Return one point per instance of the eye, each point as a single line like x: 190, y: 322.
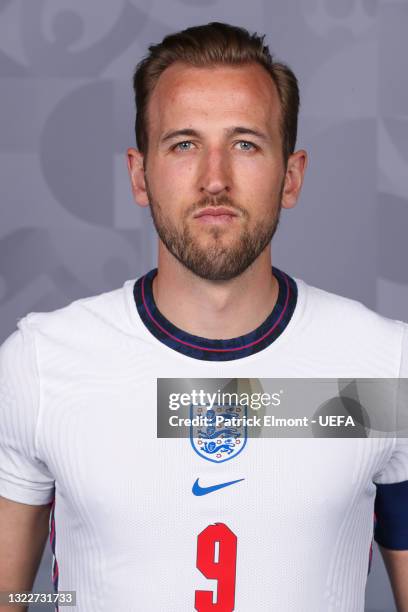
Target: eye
x: 182, y: 146
x: 247, y: 146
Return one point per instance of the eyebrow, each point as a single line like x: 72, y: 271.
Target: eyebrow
x: 233, y: 131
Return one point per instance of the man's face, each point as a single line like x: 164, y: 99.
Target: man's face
x: 214, y: 141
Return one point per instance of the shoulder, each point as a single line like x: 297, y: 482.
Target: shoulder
x: 350, y: 327
x: 88, y: 322
x: 87, y: 316
x: 350, y: 315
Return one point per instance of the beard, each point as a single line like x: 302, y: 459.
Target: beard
x: 217, y: 261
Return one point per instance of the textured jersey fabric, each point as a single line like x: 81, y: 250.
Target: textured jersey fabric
x: 78, y: 430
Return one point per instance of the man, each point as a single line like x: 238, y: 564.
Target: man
x: 145, y: 523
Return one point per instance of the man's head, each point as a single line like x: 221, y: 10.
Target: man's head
x: 215, y: 44
x: 216, y: 126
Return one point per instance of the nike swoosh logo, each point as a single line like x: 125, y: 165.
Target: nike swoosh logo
x: 199, y: 490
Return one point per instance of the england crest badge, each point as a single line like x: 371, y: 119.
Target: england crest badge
x: 218, y: 433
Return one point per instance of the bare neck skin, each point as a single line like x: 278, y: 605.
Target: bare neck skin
x: 215, y: 310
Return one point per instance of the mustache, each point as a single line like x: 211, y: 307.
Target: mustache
x: 216, y: 202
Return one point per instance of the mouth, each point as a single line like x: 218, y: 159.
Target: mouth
x: 215, y: 215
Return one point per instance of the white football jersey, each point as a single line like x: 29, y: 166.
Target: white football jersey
x: 141, y: 523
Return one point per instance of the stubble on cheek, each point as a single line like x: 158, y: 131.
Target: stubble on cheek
x: 213, y: 252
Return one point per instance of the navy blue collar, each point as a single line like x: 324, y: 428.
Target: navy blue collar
x: 212, y: 349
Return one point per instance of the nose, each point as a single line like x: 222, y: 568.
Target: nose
x: 215, y: 175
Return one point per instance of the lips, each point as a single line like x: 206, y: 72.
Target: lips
x: 215, y: 212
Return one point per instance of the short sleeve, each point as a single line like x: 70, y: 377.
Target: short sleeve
x: 24, y: 477
x: 391, y: 501
x: 396, y: 468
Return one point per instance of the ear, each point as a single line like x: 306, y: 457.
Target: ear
x: 137, y: 179
x: 295, y: 172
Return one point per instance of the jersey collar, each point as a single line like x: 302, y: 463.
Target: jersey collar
x: 214, y: 349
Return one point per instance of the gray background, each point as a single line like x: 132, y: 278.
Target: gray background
x: 68, y: 225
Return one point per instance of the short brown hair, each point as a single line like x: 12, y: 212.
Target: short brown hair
x: 209, y: 45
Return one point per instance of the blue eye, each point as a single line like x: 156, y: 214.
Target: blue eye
x: 246, y: 143
x: 183, y: 148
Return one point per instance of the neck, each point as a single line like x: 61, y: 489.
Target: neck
x: 215, y: 309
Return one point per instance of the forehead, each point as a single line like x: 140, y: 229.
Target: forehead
x: 188, y: 94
